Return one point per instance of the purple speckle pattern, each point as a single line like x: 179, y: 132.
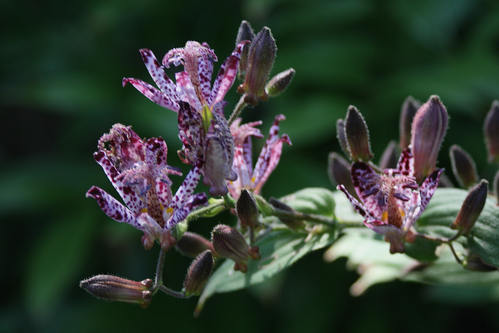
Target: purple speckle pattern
x: 249, y: 178
x: 392, y: 201
x: 111, y: 207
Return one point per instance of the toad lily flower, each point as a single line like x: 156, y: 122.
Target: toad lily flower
x: 203, y: 128
x: 139, y: 172
x: 392, y: 201
x: 249, y: 178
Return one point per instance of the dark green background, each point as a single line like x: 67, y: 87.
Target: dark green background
x: 61, y: 64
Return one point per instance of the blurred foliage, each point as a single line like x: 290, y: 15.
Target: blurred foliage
x: 61, y: 66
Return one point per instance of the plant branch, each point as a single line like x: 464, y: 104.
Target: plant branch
x: 160, y: 265
x: 237, y: 109
x: 171, y: 292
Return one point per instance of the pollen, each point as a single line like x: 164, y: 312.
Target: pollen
x: 402, y: 213
x: 253, y: 179
x: 384, y: 216
x: 169, y: 210
x: 143, y: 210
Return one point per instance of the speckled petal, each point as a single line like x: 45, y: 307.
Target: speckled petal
x: 359, y: 208
x: 226, y: 75
x: 205, y: 72
x: 270, y: 154
x: 405, y: 164
x: 367, y: 184
x: 131, y: 199
x: 112, y: 207
x: 191, y: 134
x: 428, y: 187
x: 153, y: 94
x: 186, y: 91
x: 187, y: 188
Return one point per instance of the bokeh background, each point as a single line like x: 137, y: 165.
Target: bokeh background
x: 61, y: 64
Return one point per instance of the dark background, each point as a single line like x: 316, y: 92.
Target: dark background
x: 61, y: 64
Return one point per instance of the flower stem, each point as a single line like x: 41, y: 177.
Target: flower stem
x: 170, y: 292
x: 455, y: 254
x: 237, y: 109
x: 160, y: 265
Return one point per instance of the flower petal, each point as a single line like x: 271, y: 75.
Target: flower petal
x: 270, y: 154
x: 152, y: 93
x: 405, y: 164
x: 112, y: 207
x: 367, y: 184
x: 226, y: 75
x: 190, y: 132
x: 186, y: 91
x: 131, y: 199
x: 187, y: 188
x: 158, y: 74
x: 428, y: 187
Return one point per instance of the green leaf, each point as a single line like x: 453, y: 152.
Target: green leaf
x: 443, y: 209
x: 344, y: 211
x: 313, y: 200
x: 279, y: 250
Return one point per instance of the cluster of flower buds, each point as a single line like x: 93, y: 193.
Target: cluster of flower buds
x: 392, y: 196
x: 257, y: 60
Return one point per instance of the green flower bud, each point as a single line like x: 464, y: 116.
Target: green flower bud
x: 357, y: 135
x: 192, y: 244
x: 279, y: 82
x: 491, y: 131
x: 198, y: 273
x: 341, y: 136
x: 389, y: 159
x: 407, y: 113
x: 247, y: 210
x: 428, y: 131
x: 229, y: 243
x: 245, y: 32
x: 463, y: 167
x: 261, y: 57
x: 471, y: 208
x: 114, y: 288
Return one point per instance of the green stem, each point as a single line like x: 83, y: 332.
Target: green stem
x: 314, y: 218
x: 237, y: 109
x: 170, y: 292
x: 160, y: 265
x: 203, y: 210
x: 455, y: 254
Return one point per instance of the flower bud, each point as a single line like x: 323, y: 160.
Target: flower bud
x: 192, y: 244
x: 357, y: 135
x: 341, y: 136
x: 407, y: 113
x: 246, y: 208
x: 471, y: 208
x: 463, y: 167
x: 290, y: 222
x: 389, y: 159
x: 428, y: 130
x: 198, y: 273
x: 339, y: 172
x: 279, y: 82
x: 229, y: 243
x: 245, y: 32
x: 491, y: 131
x: 496, y: 187
x: 260, y: 61
x: 114, y: 288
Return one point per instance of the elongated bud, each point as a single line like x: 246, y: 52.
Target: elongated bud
x: 491, y: 131
x: 229, y: 243
x: 198, y: 273
x: 339, y: 172
x: 357, y: 135
x: 428, y: 131
x: 192, y: 244
x: 260, y: 61
x: 247, y: 210
x: 389, y: 159
x: 342, y: 137
x: 245, y: 32
x: 463, y: 167
x: 116, y: 289
x: 471, y: 208
x: 496, y: 187
x: 290, y: 222
x: 279, y: 82
x: 407, y: 113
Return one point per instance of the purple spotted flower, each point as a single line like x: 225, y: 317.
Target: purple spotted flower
x: 249, y: 178
x: 203, y: 129
x: 139, y: 172
x: 391, y: 201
